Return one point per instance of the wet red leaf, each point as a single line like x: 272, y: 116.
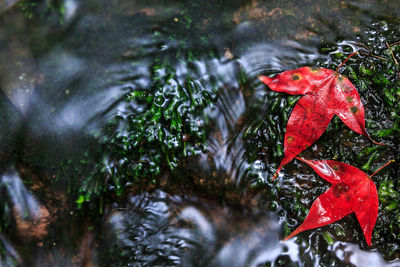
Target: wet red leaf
x: 351, y: 191
x: 326, y: 93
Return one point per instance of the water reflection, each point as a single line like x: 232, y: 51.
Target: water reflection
x: 19, y: 75
x: 6, y: 4
x: 351, y: 253
x: 157, y: 227
x: 71, y: 6
x: 20, y: 207
x: 271, y: 58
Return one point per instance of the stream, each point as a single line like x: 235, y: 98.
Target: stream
x: 136, y: 133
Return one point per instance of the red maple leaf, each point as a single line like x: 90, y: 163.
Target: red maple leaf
x: 327, y: 93
x: 351, y: 191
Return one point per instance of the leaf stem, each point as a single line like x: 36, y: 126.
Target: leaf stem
x: 390, y: 161
x: 352, y: 54
x: 275, y: 175
x: 361, y: 45
x: 395, y: 43
x: 373, y: 55
x: 391, y: 52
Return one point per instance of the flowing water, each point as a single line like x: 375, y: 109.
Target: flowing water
x: 136, y: 133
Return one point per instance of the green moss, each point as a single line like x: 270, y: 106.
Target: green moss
x: 43, y: 8
x: 169, y: 121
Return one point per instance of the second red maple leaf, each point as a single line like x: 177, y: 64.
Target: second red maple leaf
x: 351, y: 191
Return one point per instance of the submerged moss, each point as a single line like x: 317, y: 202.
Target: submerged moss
x: 162, y: 123
x: 42, y: 8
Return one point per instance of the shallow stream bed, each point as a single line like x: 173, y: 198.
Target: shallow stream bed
x: 136, y: 133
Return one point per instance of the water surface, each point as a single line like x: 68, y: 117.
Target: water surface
x: 136, y: 133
